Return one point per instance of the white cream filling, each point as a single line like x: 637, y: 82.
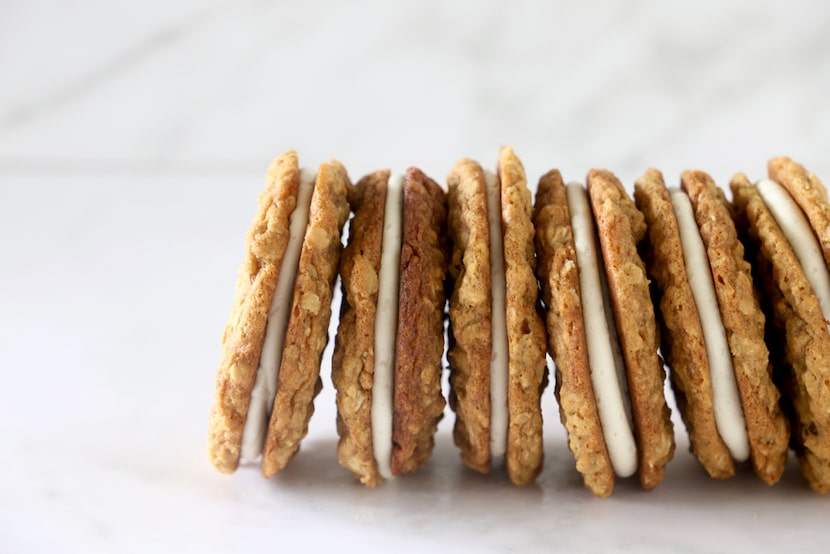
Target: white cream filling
x: 386, y: 323
x: 799, y: 234
x: 498, y: 330
x: 729, y: 416
x: 265, y: 386
x: 607, y: 365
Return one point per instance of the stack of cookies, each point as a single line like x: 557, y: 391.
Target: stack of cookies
x: 731, y: 300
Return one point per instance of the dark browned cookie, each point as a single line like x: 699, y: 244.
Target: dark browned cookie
x: 620, y: 227
x: 354, y: 350
x: 307, y: 332
x: 559, y: 275
x: 683, y: 343
x: 418, y: 401
x: 245, y: 330
x: 525, y: 330
x: 794, y: 307
x: 470, y: 308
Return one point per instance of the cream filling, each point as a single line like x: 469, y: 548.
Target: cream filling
x: 498, y: 321
x: 386, y: 324
x: 801, y: 237
x: 265, y: 386
x: 729, y: 416
x: 607, y: 366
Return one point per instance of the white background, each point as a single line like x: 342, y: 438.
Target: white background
x: 134, y: 138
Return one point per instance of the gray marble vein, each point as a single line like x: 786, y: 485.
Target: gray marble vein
x: 108, y: 70
x: 712, y: 85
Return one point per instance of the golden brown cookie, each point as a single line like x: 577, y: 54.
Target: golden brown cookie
x: 418, y: 401
x: 559, y: 276
x: 794, y: 309
x: 353, y: 360
x: 245, y: 330
x: 620, y: 227
x: 525, y: 330
x: 307, y: 332
x: 469, y: 311
x: 472, y: 325
x: 683, y: 343
x: 810, y: 195
x: 744, y: 323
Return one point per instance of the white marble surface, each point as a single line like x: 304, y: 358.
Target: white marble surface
x: 133, y: 141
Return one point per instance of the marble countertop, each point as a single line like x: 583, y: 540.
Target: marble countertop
x: 133, y: 142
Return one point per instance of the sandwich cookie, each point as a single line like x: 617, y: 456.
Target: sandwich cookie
x: 496, y: 354
x: 275, y: 336
x: 712, y: 325
x: 560, y: 279
x: 602, y: 331
x: 785, y: 223
x: 387, y: 356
